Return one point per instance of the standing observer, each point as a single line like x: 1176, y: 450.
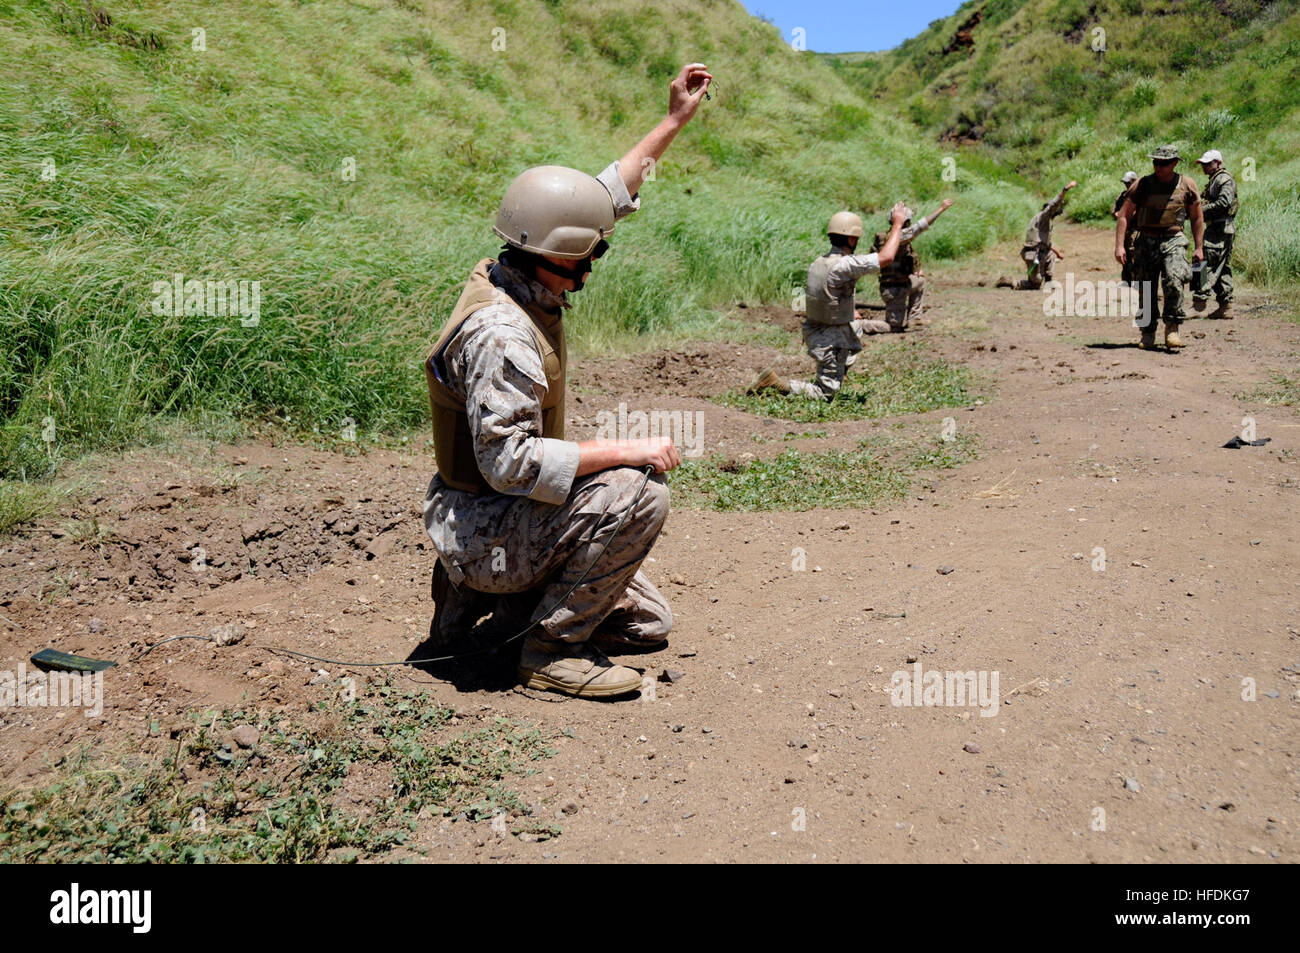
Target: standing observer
x: 1158, y: 205
x: 1219, y: 206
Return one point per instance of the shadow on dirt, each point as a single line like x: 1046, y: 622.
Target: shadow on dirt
x: 480, y: 659
x: 1121, y: 345
x: 487, y: 659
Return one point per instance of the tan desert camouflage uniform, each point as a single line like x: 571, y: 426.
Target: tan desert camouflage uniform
x: 531, y: 538
x: 901, y: 290
x: 1037, y: 250
x: 831, y: 333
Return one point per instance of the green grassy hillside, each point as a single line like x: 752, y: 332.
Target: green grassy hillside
x: 1031, y: 88
x: 131, y: 155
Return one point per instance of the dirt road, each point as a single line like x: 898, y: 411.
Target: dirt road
x: 1120, y: 731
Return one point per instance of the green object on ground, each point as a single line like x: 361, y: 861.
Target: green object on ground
x: 63, y: 662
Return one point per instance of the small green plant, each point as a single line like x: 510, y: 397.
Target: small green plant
x: 892, y: 379
x: 883, y: 468
x: 204, y: 800
x: 1074, y: 138
x: 25, y: 503
x: 1143, y: 93
x: 805, y: 435
x: 1280, y: 391
x: 90, y: 534
x: 1210, y: 126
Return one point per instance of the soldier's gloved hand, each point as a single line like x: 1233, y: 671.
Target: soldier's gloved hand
x: 659, y: 452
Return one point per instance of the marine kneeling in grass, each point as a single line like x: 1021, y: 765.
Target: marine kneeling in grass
x: 832, y: 329
x: 516, y: 513
x: 902, y: 282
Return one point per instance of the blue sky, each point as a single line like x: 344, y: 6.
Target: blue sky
x: 852, y: 25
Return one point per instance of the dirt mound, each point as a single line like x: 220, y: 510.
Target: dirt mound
x: 195, y: 536
x: 771, y: 315
x: 700, y: 371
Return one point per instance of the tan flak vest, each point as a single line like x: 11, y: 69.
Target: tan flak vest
x: 1158, y: 211
x: 900, y: 270
x: 453, y: 445
x: 822, y: 308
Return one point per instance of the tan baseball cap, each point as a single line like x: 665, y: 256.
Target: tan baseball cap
x: 1213, y: 155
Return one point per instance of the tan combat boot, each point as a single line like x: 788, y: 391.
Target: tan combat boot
x: 1148, y: 342
x: 1223, y: 312
x: 1198, y: 305
x: 1172, y: 339
x: 769, y: 380
x: 578, y: 669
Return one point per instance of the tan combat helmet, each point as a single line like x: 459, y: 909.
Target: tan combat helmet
x: 551, y: 210
x: 845, y: 223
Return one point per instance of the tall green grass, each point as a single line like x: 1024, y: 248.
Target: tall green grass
x: 228, y: 164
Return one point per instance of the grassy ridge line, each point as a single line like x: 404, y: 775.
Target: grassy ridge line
x: 1202, y: 74
x: 226, y: 164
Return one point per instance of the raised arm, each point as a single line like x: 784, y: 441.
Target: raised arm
x: 1058, y: 204
x: 943, y: 207
x: 916, y: 228
x: 685, y: 93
